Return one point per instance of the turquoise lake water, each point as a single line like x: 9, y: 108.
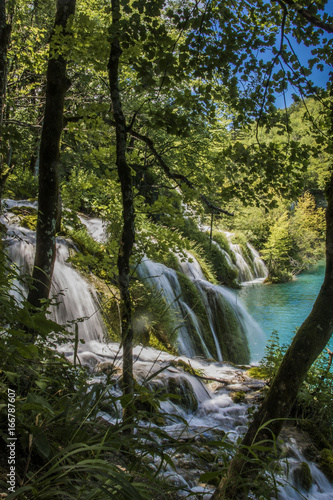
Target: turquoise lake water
x: 284, y: 306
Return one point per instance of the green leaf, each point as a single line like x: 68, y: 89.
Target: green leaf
x: 12, y: 377
x: 42, y: 444
x: 207, y: 476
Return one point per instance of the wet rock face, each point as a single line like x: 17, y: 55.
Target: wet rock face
x: 303, y: 476
x: 182, y: 393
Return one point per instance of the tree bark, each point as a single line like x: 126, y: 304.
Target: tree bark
x: 128, y: 231
x: 308, y: 343
x: 56, y: 87
x: 5, y: 32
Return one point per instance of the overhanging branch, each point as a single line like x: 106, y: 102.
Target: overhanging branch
x: 174, y: 176
x: 307, y: 15
x: 178, y: 178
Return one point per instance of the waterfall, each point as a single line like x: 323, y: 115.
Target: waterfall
x: 76, y: 300
x: 199, y: 412
x: 236, y: 336
x: 249, y: 271
x: 260, y: 270
x: 95, y: 227
x: 165, y: 280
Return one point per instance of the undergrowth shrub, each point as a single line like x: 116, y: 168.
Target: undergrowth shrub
x: 20, y: 184
x: 314, y: 404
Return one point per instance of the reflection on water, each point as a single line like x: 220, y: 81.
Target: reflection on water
x: 283, y: 307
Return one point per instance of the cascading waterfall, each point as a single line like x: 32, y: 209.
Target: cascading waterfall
x: 228, y: 315
x: 208, y: 411
x: 165, y: 280
x: 76, y: 300
x: 235, y: 334
x: 260, y: 270
x: 247, y: 273
x: 96, y: 228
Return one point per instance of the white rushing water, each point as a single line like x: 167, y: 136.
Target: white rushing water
x: 76, y: 299
x: 96, y: 227
x: 248, y: 273
x: 201, y: 411
x: 215, y: 299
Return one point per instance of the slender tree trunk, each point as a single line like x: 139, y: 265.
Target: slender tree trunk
x: 56, y: 87
x: 128, y: 231
x: 5, y: 31
x: 308, y: 343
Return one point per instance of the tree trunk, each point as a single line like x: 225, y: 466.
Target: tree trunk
x: 5, y: 31
x: 128, y: 231
x: 308, y: 343
x: 56, y: 87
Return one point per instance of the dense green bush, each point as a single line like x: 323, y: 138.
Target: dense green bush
x: 21, y: 184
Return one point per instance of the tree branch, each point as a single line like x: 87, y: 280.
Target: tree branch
x: 174, y: 176
x: 307, y: 15
x: 171, y: 175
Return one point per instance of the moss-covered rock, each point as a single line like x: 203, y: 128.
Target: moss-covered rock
x: 180, y: 363
x: 326, y: 463
x: 27, y: 216
x: 193, y: 299
x: 182, y: 393
x: 238, y: 397
x: 230, y: 334
x: 303, y: 476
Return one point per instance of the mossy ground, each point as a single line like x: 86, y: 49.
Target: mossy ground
x: 27, y: 216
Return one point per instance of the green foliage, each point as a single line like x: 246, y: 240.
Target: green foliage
x: 82, y: 191
x: 277, y: 250
x: 296, y: 240
x: 92, y: 256
x: 257, y: 372
x: 314, y: 404
x: 274, y: 353
x: 212, y: 254
x: 21, y: 184
x: 307, y: 227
